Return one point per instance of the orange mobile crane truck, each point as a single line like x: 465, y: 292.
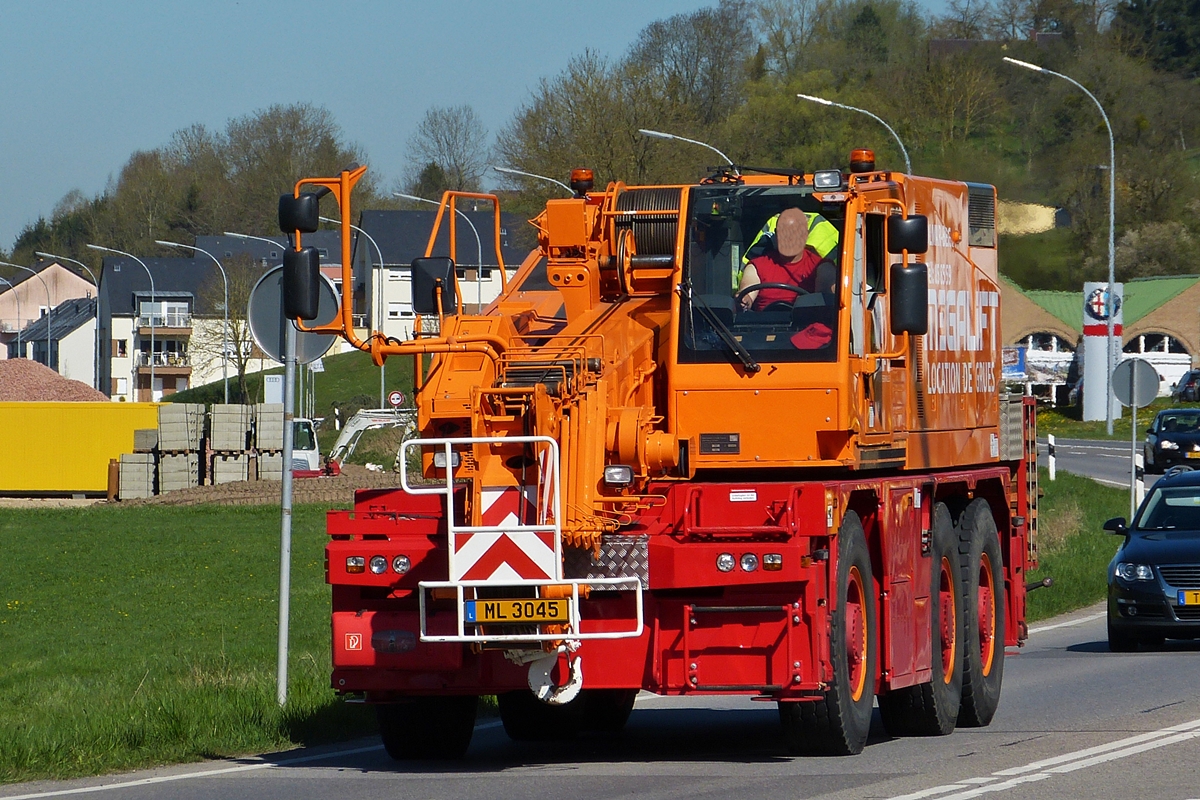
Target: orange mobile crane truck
x: 630, y: 482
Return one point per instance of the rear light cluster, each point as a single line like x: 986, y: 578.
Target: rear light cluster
x: 377, y: 564
x: 749, y: 562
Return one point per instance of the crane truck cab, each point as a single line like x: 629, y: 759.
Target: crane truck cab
x: 627, y: 475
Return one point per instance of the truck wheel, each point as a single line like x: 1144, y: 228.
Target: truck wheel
x: 931, y: 709
x: 527, y: 719
x: 838, y: 722
x: 428, y: 727
x: 607, y: 710
x: 984, y: 604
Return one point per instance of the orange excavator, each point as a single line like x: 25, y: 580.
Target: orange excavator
x: 632, y: 479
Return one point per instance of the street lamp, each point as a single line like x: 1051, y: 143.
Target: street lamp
x: 378, y: 252
x: 153, y: 302
x: 1112, y: 219
x: 49, y: 303
x: 96, y: 283
x: 896, y: 136
x: 508, y: 171
x: 478, y: 241
x: 225, y: 333
x: 16, y: 300
x: 661, y: 135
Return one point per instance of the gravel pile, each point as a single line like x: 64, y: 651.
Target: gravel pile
x: 25, y: 380
x: 330, y: 491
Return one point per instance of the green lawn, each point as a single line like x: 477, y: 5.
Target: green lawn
x: 144, y: 635
x: 1064, y: 422
x: 1073, y: 549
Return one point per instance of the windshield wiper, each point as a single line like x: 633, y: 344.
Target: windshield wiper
x: 724, y: 333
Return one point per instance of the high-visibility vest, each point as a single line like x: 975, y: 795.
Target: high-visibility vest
x: 822, y: 237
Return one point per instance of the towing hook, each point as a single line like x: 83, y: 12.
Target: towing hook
x: 541, y: 684
x: 1043, y: 583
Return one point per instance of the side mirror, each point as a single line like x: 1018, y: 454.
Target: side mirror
x: 909, y: 299
x: 911, y: 234
x: 301, y: 283
x: 1116, y: 525
x: 301, y: 213
x: 428, y: 275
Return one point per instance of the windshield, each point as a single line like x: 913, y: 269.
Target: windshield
x: 1179, y: 422
x: 741, y: 293
x: 1176, y: 508
x: 303, y: 436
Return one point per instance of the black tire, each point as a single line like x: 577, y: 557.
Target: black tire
x: 527, y: 719
x: 931, y: 709
x: 428, y: 727
x: 1120, y: 641
x: 838, y: 722
x: 607, y: 710
x: 984, y: 607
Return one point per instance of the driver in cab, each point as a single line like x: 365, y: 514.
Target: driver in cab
x: 789, y: 262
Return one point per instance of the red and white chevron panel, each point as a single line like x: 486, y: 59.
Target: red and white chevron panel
x: 511, y: 555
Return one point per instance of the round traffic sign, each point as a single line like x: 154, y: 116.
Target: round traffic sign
x: 396, y: 399
x: 1135, y: 382
x: 264, y: 313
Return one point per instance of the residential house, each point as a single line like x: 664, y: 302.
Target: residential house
x: 69, y: 331
x: 27, y: 299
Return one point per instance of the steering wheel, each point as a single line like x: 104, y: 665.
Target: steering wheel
x: 771, y: 285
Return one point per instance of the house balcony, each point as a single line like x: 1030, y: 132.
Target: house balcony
x: 168, y: 363
x: 165, y: 325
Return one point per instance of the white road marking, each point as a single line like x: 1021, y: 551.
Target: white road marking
x: 1067, y: 624
x: 1069, y: 762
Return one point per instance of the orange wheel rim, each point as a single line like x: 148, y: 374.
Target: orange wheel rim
x: 948, y: 620
x: 856, y: 634
x: 987, y: 614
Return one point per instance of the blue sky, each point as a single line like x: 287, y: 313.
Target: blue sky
x: 88, y: 83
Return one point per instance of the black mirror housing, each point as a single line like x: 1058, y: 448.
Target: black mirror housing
x: 301, y: 283
x: 1115, y: 525
x: 909, y: 295
x: 428, y: 274
x: 301, y: 213
x: 911, y: 234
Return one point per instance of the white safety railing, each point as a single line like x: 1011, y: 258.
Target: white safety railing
x: 552, y: 525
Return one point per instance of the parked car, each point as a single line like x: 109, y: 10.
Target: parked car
x: 1173, y: 439
x: 1154, y: 578
x: 1187, y: 389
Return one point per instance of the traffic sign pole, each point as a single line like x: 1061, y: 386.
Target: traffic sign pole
x: 285, y: 532
x: 1135, y: 383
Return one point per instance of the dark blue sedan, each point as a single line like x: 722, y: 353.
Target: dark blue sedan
x: 1173, y: 440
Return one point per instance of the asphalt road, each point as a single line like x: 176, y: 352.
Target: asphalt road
x: 1074, y: 721
x: 1106, y: 461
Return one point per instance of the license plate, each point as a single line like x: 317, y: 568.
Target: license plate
x: 1191, y: 454
x: 1189, y: 597
x: 483, y: 612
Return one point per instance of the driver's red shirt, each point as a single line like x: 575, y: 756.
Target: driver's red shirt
x: 772, y: 269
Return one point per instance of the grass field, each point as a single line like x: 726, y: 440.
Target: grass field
x: 142, y: 635
x: 1066, y: 422
x: 132, y: 636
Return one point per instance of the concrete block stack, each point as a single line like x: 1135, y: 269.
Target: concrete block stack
x: 145, y: 440
x: 180, y: 434
x: 230, y: 467
x: 229, y: 428
x: 268, y: 440
x: 136, y: 476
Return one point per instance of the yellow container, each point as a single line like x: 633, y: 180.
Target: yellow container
x: 60, y: 448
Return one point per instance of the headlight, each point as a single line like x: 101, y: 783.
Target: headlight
x: 749, y: 562
x: 401, y: 564
x: 378, y: 565
x: 1134, y: 572
x: 439, y: 459
x: 355, y: 564
x: 618, y: 475
x: 725, y: 562
x: 1168, y: 445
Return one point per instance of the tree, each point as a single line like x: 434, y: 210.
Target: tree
x: 454, y: 140
x: 208, y: 345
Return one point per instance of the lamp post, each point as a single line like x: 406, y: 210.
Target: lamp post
x: 153, y: 302
x: 16, y: 300
x: 478, y: 241
x: 96, y: 283
x: 379, y: 253
x: 661, y: 135
x: 1112, y: 219
x: 225, y: 333
x: 896, y: 136
x: 509, y: 171
x: 49, y: 303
